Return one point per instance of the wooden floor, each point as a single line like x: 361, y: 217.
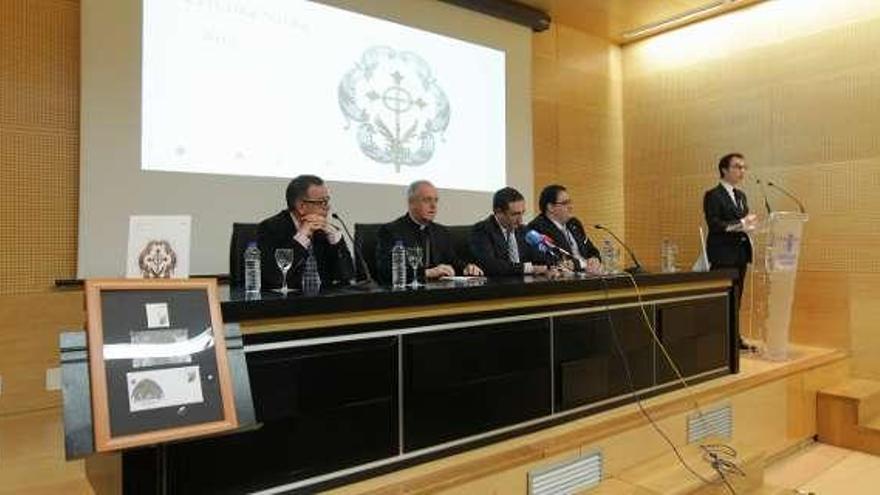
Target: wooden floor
x: 827, y: 470
x: 32, y: 458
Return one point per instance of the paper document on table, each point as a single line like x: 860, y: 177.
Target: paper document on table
x: 462, y: 278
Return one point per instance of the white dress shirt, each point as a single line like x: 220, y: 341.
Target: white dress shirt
x: 333, y: 236
x: 575, y: 251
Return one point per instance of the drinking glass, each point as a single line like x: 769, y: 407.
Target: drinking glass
x: 414, y: 258
x: 284, y: 259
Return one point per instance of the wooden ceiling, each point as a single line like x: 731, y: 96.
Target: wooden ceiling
x: 611, y: 18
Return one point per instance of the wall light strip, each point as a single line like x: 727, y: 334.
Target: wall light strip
x: 677, y: 20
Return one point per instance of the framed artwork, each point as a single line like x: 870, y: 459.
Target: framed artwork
x: 157, y: 359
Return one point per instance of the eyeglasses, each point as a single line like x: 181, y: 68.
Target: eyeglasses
x: 323, y: 202
x: 563, y: 203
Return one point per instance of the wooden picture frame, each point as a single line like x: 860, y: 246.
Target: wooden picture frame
x: 139, y: 400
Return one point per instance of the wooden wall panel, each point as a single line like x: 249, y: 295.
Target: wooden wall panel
x: 29, y: 342
x: 798, y: 92
x: 39, y: 176
x: 864, y: 321
x: 578, y: 124
x: 39, y: 143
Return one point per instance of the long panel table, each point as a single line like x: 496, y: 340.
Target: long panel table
x: 360, y: 381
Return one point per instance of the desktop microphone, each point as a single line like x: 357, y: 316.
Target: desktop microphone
x: 790, y: 195
x: 635, y: 269
x: 544, y: 243
x: 764, y: 194
x: 358, y: 256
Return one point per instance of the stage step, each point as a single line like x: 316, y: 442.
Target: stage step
x: 773, y: 490
x: 615, y: 486
x: 665, y: 475
x: 612, y: 486
x: 848, y: 415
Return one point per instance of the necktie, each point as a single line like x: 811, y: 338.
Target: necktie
x: 426, y: 246
x: 512, y: 248
x: 572, y: 243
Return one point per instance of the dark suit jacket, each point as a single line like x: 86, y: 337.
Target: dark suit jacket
x: 434, y: 239
x: 489, y: 247
x: 726, y: 249
x: 334, y: 261
x: 546, y: 226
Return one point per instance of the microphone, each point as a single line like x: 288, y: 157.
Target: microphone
x: 544, y: 243
x: 636, y: 269
x: 764, y: 194
x: 790, y: 195
x: 358, y: 256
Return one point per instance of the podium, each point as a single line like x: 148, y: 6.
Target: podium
x: 776, y: 247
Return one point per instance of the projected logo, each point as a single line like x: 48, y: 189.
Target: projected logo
x: 397, y: 104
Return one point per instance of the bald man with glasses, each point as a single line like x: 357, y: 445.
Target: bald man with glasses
x: 303, y: 227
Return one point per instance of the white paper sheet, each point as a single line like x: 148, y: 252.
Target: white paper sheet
x: 156, y: 389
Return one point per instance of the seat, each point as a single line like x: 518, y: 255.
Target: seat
x: 242, y: 235
x: 366, y: 239
x: 461, y: 235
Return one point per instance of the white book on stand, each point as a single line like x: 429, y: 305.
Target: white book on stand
x: 158, y: 246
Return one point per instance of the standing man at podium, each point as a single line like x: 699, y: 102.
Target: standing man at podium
x: 727, y: 215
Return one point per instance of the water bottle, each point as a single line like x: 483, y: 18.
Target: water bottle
x: 667, y: 257
x: 398, y: 266
x: 252, y: 269
x: 664, y: 256
x: 609, y: 258
x: 311, y: 279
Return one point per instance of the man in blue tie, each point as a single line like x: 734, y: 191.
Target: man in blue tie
x: 498, y: 242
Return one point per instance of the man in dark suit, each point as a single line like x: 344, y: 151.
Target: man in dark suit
x: 558, y: 222
x: 498, y: 242
x: 727, y: 215
x: 417, y: 228
x: 303, y: 227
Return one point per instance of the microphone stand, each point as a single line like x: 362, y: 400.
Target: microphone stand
x: 638, y: 266
x: 357, y: 253
x: 764, y: 194
x: 790, y: 195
